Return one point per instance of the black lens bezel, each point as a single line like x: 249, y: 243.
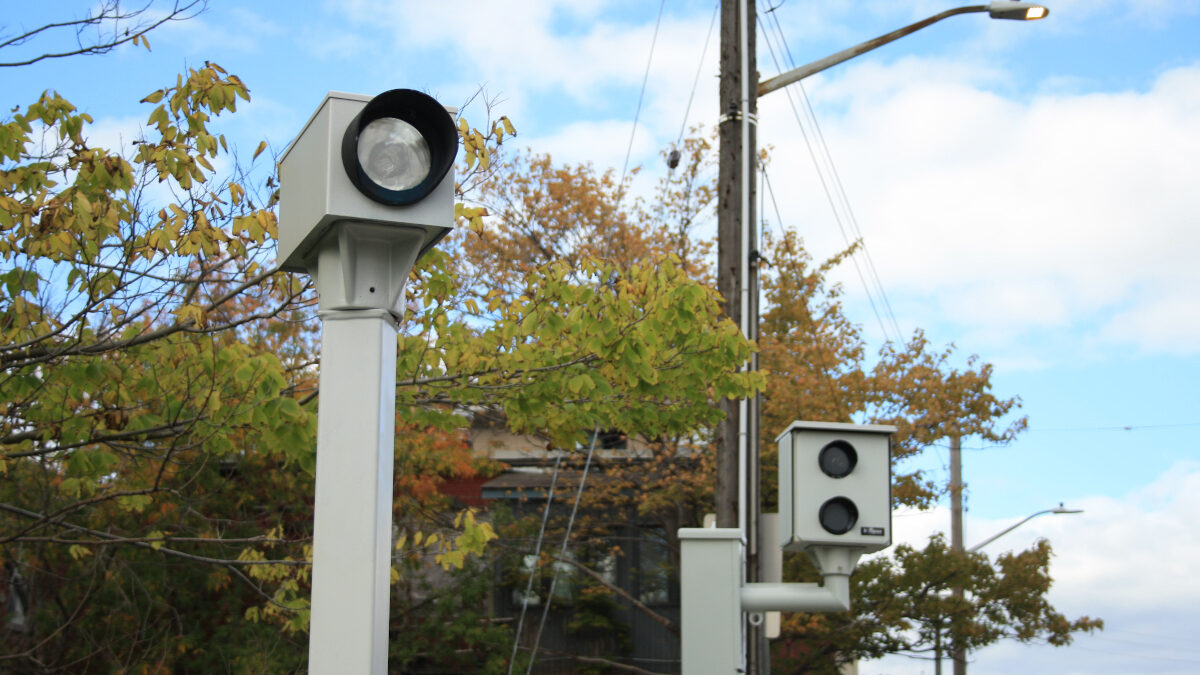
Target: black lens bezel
x: 428, y: 117
x: 832, y: 446
x: 844, y: 502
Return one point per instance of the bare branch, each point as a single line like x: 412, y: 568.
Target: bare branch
x: 623, y: 594
x: 161, y: 549
x: 107, y: 22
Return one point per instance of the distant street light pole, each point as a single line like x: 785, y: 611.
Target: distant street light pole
x: 1060, y: 509
x: 958, y: 655
x: 737, y: 498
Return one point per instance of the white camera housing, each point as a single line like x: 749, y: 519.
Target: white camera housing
x: 317, y: 192
x: 835, y: 486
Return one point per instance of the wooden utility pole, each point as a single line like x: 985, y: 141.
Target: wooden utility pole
x: 737, y: 441
x: 957, y: 653
x: 730, y: 257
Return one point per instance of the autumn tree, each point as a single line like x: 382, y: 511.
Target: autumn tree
x: 817, y: 365
x: 159, y: 380
x: 158, y: 376
x: 904, y: 604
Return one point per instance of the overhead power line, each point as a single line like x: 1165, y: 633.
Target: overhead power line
x: 638, y: 113
x: 1126, y: 427
x: 835, y: 192
x: 699, y: 68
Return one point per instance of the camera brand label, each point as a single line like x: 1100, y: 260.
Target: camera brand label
x: 872, y: 531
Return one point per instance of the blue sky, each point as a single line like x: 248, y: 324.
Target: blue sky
x: 1027, y: 191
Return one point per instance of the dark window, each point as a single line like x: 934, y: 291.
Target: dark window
x: 653, y: 568
x: 612, y: 440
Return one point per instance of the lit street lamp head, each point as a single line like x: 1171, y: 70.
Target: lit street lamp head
x: 1017, y: 11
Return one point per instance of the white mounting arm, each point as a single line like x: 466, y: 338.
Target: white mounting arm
x: 835, y: 564
x: 714, y: 595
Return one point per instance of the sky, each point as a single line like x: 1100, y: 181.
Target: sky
x: 1026, y: 192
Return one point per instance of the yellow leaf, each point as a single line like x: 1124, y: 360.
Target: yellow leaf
x: 78, y: 552
x: 258, y: 151
x: 156, y: 538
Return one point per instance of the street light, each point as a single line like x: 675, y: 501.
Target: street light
x: 1001, y: 533
x: 1017, y: 11
x: 737, y: 475
x: 957, y: 654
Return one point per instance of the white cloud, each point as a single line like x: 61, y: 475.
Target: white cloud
x: 602, y: 143
x: 1154, y: 13
x: 241, y: 30
x: 575, y: 56
x: 1067, y: 214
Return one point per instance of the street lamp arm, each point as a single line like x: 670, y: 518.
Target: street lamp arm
x: 1006, y: 530
x: 1001, y: 533
x: 797, y: 74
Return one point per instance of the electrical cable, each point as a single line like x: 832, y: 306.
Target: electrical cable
x: 537, y: 552
x: 837, y: 217
x: 638, y: 113
x: 699, y: 69
x: 562, y: 552
x: 836, y: 195
x: 1127, y: 427
x: 837, y: 181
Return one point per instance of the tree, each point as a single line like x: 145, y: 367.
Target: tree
x: 132, y: 400
x: 817, y: 367
x: 903, y: 604
x: 159, y: 380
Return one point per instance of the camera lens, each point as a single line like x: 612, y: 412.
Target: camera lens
x: 393, y: 154
x: 838, y: 515
x: 837, y: 459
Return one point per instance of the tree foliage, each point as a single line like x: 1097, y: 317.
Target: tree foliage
x: 159, y: 380
x: 139, y: 321
x: 906, y: 603
x: 158, y: 377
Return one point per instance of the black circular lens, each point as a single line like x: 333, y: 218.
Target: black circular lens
x: 837, y: 459
x: 399, y: 147
x: 393, y: 154
x: 838, y: 515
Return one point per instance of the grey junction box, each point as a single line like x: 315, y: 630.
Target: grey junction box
x: 835, y: 486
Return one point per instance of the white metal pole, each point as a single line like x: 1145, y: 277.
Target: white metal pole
x: 348, y: 632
